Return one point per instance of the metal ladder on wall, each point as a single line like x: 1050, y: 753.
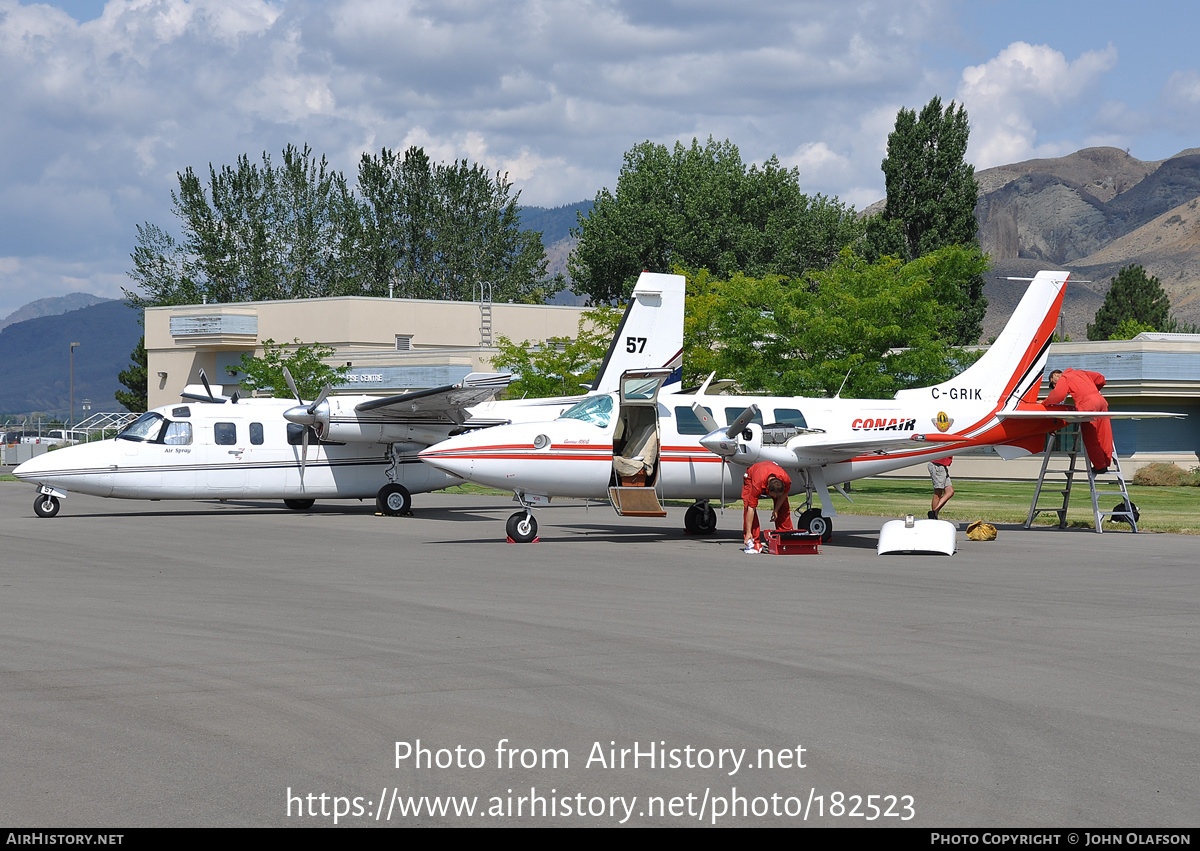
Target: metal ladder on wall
x: 485, y: 315
x: 1072, y: 446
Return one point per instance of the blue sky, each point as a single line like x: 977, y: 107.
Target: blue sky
x: 104, y: 103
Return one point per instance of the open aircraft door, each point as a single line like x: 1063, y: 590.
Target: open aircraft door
x: 636, y: 455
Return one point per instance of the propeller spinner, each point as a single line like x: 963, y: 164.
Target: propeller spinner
x: 720, y: 441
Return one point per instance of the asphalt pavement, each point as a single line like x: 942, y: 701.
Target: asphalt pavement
x: 239, y: 664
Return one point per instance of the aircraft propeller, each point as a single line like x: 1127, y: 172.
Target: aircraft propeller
x: 304, y: 415
x: 723, y: 442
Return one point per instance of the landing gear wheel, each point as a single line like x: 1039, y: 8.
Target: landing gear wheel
x: 522, y: 527
x: 817, y: 524
x: 1122, y: 516
x: 393, y: 500
x: 45, y: 506
x: 299, y: 504
x: 700, y: 520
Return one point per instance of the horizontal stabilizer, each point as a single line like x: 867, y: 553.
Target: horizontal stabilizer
x: 1085, y: 416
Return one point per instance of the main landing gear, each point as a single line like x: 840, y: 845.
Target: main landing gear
x: 816, y: 523
x: 393, y: 500
x: 700, y: 519
x: 299, y: 504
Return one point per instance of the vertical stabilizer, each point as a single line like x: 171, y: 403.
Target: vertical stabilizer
x: 1011, y: 369
x: 650, y: 335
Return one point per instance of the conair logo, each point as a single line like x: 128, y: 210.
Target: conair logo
x: 883, y: 424
x: 942, y: 422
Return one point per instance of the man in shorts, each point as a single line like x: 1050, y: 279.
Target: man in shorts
x: 943, y: 488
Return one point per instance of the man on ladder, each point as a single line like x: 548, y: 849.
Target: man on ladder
x: 1084, y: 388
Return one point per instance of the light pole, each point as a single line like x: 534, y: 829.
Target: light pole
x: 71, y: 419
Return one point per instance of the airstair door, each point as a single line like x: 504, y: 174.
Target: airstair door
x: 636, y: 456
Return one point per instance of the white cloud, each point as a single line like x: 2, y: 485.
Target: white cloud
x: 1023, y: 85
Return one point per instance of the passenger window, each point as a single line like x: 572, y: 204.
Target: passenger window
x: 256, y: 434
x: 732, y: 414
x: 687, y: 422
x: 225, y: 434
x: 178, y: 434
x: 790, y: 416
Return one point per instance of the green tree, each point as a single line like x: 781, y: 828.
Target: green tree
x: 261, y: 231
x: 560, y: 365
x: 700, y: 207
x: 441, y: 230
x: 931, y: 198
x: 1132, y: 295
x: 887, y: 324
x: 135, y: 378
x: 304, y: 362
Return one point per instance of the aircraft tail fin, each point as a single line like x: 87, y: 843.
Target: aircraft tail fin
x: 1011, y: 369
x: 650, y: 335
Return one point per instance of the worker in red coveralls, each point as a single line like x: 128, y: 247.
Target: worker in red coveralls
x: 766, y: 478
x: 1084, y: 388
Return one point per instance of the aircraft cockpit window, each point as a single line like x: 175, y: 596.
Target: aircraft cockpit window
x: 225, y: 434
x: 145, y: 429
x: 178, y: 434
x: 256, y: 434
x: 687, y: 422
x: 182, y: 411
x: 595, y: 411
x: 790, y: 416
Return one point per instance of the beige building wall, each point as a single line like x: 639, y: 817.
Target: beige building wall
x: 182, y: 340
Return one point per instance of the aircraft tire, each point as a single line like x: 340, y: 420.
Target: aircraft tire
x: 393, y: 500
x: 522, y: 527
x: 1120, y: 515
x: 299, y: 504
x: 46, y: 506
x: 700, y: 520
x: 816, y: 523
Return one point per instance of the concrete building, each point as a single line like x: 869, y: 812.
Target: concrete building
x: 392, y: 345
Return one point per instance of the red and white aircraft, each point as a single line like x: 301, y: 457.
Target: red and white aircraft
x: 635, y: 446
x: 336, y: 447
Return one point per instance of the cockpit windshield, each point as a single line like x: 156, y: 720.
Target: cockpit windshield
x: 145, y: 429
x: 596, y: 411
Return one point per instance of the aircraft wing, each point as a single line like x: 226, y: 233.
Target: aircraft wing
x: 820, y: 448
x: 449, y: 403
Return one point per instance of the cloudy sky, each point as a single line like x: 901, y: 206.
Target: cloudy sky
x: 103, y: 102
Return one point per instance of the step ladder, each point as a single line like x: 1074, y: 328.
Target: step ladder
x: 1071, y: 444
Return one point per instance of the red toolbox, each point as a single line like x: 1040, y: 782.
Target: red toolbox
x: 792, y: 543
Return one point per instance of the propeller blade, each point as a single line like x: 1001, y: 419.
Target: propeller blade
x: 321, y: 397
x: 303, y: 457
x: 291, y: 383
x: 737, y: 425
x: 704, y: 416
x: 207, y: 387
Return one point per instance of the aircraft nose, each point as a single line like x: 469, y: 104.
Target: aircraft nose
x: 446, y: 460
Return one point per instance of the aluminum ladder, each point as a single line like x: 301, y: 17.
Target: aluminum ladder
x: 1125, y: 510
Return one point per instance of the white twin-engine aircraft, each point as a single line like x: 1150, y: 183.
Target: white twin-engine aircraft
x: 636, y: 445
x: 337, y: 447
